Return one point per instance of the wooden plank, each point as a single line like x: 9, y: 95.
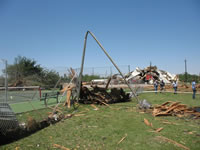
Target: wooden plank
x: 102, y: 102
x: 147, y: 122
x: 174, y: 104
x: 173, y: 142
x: 166, y: 103
x: 60, y: 147
x: 95, y: 107
x: 171, y: 108
x: 122, y: 139
x: 159, y: 129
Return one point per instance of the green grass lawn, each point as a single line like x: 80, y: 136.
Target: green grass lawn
x: 104, y: 128
x: 32, y: 105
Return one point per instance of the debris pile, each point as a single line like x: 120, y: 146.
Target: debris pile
x: 144, y: 104
x: 150, y: 74
x: 170, y: 108
x: 101, y: 96
x: 32, y: 126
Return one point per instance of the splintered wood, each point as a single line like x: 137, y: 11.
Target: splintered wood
x: 99, y: 95
x: 174, y: 108
x: 122, y: 139
x: 173, y: 142
x: 60, y: 147
x: 147, y: 122
x: 151, y: 125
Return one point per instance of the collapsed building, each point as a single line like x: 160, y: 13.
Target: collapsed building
x: 149, y: 74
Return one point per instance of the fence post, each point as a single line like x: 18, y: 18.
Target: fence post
x: 57, y: 97
x: 45, y: 99
x: 40, y: 93
x: 6, y: 80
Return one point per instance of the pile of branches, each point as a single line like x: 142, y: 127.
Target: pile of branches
x: 99, y: 95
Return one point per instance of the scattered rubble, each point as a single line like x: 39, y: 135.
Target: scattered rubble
x: 99, y: 95
x: 150, y: 74
x: 144, y: 104
x: 162, y: 138
x: 122, y: 139
x: 32, y: 126
x: 170, y: 108
x: 156, y: 130
x: 60, y: 147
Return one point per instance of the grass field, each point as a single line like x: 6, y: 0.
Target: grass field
x: 104, y: 128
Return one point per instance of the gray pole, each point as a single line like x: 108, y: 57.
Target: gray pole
x: 129, y: 70
x: 92, y: 70
x: 185, y: 70
x: 82, y: 64
x: 83, y: 57
x: 110, y: 70
x: 6, y: 80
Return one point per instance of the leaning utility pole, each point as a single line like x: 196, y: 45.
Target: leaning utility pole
x: 79, y: 83
x: 185, y: 70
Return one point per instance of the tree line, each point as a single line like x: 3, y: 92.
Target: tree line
x: 26, y: 72
x: 186, y: 77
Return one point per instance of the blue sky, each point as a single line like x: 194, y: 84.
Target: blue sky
x: 134, y: 32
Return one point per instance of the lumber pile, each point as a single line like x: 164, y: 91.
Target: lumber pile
x: 170, y: 108
x: 99, y: 95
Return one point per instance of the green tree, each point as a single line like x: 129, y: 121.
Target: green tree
x: 22, y: 68
x: 49, y: 78
x: 26, y: 72
x: 88, y: 78
x: 190, y: 77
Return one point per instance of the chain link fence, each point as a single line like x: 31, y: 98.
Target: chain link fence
x: 104, y: 72
x: 2, y: 81
x: 28, y: 88
x: 11, y: 92
x: 22, y: 92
